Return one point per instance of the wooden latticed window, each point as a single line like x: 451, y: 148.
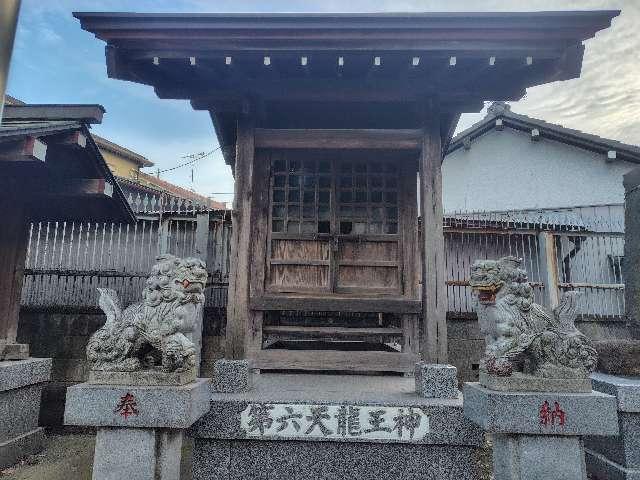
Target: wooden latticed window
x: 302, y: 189
x: 300, y: 194
x: 368, y: 197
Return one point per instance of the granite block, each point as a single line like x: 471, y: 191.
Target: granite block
x: 602, y: 468
x: 624, y: 448
x: 168, y: 453
x: 19, y: 409
x: 625, y: 389
x: 592, y: 413
x: 155, y: 406
x: 141, y: 377
x: 29, y: 443
x: 535, y: 457
x: 232, y: 376
x: 297, y: 460
x: 19, y: 373
x: 622, y: 452
x: 519, y: 382
x: 436, y: 380
x: 124, y: 453
x: 447, y: 424
x: 137, y: 454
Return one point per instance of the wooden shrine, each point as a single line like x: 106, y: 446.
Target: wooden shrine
x: 327, y: 122
x: 50, y: 170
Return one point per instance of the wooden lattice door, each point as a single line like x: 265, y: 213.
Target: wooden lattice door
x: 334, y: 223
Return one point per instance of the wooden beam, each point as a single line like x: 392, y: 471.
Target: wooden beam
x: 82, y: 113
x: 13, y: 249
x: 548, y: 266
x: 327, y: 138
x: 78, y: 187
x: 281, y: 359
x: 336, y: 304
x: 434, y: 294
x: 75, y: 139
x: 336, y: 89
x: 47, y: 187
x: 238, y: 314
x: 28, y: 149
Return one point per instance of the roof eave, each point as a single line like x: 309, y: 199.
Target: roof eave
x: 546, y: 131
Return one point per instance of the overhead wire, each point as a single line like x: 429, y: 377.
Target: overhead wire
x: 194, y: 156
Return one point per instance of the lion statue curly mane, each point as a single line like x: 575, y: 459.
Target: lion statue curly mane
x: 153, y: 334
x: 521, y: 336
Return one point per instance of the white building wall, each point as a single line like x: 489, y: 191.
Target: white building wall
x: 505, y: 170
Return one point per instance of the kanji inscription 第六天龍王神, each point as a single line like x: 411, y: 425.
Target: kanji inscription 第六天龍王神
x: 366, y: 422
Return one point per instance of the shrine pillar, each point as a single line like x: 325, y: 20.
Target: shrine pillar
x: 433, y: 343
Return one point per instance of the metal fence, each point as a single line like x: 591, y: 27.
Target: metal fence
x: 66, y: 261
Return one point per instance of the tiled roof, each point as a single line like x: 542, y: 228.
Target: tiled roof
x: 500, y: 110
x: 37, y: 127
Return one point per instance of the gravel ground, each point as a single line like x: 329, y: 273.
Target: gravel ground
x: 68, y: 456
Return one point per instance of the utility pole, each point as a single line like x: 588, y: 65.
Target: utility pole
x: 8, y: 19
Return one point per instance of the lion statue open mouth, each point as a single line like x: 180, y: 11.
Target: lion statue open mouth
x: 153, y: 334
x: 520, y: 335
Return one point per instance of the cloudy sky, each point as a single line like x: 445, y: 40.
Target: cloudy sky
x: 55, y: 61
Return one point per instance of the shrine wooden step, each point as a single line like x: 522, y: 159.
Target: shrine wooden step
x: 285, y: 332
x: 353, y: 361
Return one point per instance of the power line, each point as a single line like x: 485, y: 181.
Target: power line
x: 194, y: 156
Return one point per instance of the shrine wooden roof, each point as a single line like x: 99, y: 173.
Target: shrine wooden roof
x: 343, y: 70
x: 49, y: 160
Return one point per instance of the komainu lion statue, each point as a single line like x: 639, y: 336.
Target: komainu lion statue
x: 152, y: 335
x: 520, y: 335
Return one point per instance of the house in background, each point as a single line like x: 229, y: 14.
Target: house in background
x: 514, y: 173
x: 126, y: 166
x: 539, y: 167
x: 123, y: 162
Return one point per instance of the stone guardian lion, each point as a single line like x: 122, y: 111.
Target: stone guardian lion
x: 153, y: 334
x: 521, y: 336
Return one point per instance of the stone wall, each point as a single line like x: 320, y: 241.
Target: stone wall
x: 63, y: 337
x: 466, y: 344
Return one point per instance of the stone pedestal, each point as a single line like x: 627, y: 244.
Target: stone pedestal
x: 334, y: 427
x: 617, y: 458
x: 140, y: 428
x: 21, y: 383
x: 539, y: 434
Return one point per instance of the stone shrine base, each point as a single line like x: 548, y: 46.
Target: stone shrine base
x: 21, y: 383
x: 617, y: 458
x: 321, y: 427
x: 519, y: 382
x: 141, y: 377
x: 538, y: 435
x: 140, y: 428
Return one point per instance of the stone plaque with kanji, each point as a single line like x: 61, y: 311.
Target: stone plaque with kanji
x: 334, y: 422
